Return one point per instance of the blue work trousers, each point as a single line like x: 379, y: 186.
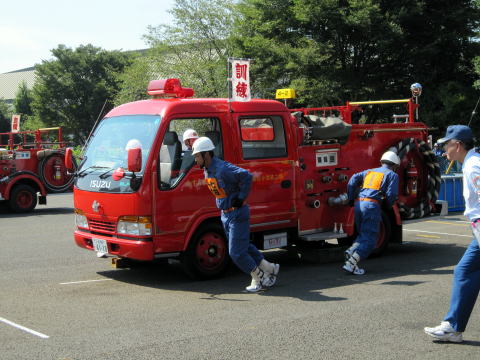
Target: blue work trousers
x: 367, y: 219
x: 237, y: 228
x: 465, y: 288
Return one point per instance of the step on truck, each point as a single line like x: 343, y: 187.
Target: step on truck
x: 151, y: 201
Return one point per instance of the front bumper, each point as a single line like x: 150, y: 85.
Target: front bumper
x: 141, y: 249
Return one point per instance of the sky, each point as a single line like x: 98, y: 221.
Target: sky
x: 30, y: 29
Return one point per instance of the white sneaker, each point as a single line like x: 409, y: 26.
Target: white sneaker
x: 272, y: 277
x: 348, y: 253
x: 444, y: 332
x: 353, y: 269
x: 254, y: 286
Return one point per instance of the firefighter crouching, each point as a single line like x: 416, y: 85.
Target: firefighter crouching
x: 376, y: 185
x: 230, y: 185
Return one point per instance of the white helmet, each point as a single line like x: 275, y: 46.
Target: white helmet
x: 202, y: 144
x: 391, y: 157
x: 133, y: 143
x: 189, y: 134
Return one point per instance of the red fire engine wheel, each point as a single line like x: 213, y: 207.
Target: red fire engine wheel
x: 23, y: 198
x: 207, y: 253
x: 383, y: 238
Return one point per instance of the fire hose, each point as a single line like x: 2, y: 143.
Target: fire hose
x: 434, y: 178
x: 53, y: 173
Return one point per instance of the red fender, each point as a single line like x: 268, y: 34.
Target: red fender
x: 213, y: 215
x: 22, y: 175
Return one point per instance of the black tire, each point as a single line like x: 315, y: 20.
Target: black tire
x: 206, y: 256
x: 23, y: 198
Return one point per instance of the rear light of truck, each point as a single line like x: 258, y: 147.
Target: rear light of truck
x: 135, y: 225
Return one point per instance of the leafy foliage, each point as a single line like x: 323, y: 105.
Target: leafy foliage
x: 332, y: 51
x: 22, y: 105
x: 71, y: 90
x: 194, y: 48
x: 5, y: 116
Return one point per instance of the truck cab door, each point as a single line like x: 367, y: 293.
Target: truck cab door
x: 264, y: 151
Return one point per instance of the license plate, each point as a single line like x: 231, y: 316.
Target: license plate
x: 100, y: 245
x: 274, y: 240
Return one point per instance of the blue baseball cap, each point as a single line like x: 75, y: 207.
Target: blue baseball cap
x: 458, y: 132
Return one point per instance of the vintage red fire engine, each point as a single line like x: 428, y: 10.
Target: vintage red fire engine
x: 150, y: 201
x: 31, y: 165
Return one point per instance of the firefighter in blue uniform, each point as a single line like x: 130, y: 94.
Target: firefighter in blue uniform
x: 367, y: 191
x: 230, y: 185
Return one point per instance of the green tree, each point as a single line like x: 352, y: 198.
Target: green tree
x: 194, y: 49
x: 5, y: 117
x: 22, y: 105
x: 71, y: 90
x: 23, y: 100
x: 332, y: 51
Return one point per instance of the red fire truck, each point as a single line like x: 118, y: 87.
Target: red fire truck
x: 153, y: 202
x: 32, y: 163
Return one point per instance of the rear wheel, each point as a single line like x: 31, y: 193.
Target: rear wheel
x: 23, y: 198
x: 383, y: 235
x: 207, y: 254
x: 383, y: 238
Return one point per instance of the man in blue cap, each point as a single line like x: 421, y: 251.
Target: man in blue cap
x: 458, y: 145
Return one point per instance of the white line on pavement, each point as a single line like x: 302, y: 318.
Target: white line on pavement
x: 84, y: 281
x: 439, y: 233
x: 33, y: 332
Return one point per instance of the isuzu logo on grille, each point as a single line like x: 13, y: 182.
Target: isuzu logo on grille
x: 95, y: 206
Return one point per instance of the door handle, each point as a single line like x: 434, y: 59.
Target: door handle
x: 285, y: 184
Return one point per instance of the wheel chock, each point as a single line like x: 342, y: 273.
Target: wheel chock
x: 120, y: 263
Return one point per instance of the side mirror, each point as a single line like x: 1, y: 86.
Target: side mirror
x: 69, y: 159
x: 134, y: 159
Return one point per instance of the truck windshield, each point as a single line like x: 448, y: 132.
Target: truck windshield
x: 107, y: 151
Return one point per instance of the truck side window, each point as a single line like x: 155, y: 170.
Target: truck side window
x: 175, y: 158
x: 263, y: 137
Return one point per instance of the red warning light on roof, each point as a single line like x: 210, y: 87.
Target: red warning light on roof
x: 171, y: 88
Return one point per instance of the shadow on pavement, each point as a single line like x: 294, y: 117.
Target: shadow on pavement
x: 300, y: 279
x: 464, y: 343
x: 39, y: 210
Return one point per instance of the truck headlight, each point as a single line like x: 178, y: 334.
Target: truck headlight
x: 135, y: 225
x: 80, y: 219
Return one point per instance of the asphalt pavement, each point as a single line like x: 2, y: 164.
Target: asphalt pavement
x: 58, y: 301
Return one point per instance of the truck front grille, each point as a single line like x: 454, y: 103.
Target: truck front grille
x: 102, y: 226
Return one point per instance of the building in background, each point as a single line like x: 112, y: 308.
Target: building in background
x: 10, y: 81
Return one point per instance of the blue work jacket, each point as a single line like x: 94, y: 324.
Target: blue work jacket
x: 226, y: 182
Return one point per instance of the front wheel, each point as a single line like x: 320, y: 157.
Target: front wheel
x: 206, y: 256
x: 23, y: 198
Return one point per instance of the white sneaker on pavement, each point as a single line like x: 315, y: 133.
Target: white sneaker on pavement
x: 353, y: 269
x: 444, y: 332
x: 272, y: 277
x: 254, y: 286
